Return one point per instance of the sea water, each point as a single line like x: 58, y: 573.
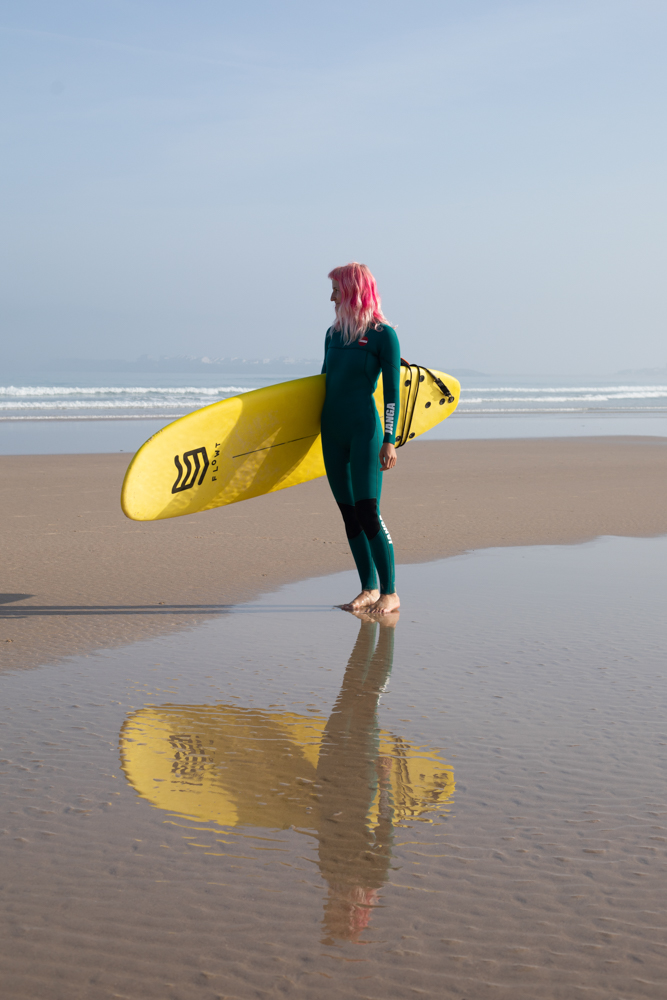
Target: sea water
x: 288, y: 801
x: 539, y: 406
x: 104, y: 412
x: 81, y: 412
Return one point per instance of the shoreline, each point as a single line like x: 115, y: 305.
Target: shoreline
x: 79, y: 577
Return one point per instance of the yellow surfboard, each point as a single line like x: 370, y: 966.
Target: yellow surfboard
x: 247, y: 767
x: 259, y: 442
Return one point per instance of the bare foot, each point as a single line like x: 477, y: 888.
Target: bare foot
x: 385, y: 605
x: 385, y: 621
x: 363, y: 600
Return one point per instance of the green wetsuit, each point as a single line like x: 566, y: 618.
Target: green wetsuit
x: 351, y: 440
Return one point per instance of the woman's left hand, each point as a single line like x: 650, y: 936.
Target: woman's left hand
x: 387, y: 457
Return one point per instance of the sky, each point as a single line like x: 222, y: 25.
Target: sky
x: 179, y: 177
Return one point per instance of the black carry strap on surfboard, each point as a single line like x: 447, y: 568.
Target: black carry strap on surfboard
x: 407, y: 414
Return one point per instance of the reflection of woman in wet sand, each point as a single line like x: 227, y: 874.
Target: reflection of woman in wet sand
x: 354, y: 856
x: 357, y: 448
x: 341, y: 780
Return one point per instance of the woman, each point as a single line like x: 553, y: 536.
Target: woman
x: 356, y: 448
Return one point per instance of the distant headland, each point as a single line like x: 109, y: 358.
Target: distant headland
x: 660, y: 373
x: 187, y: 364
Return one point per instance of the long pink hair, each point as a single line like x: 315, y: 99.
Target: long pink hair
x: 359, y: 307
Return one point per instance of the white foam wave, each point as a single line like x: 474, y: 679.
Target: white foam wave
x: 137, y: 390
x: 548, y: 411
x: 90, y: 416
x: 597, y: 397
x: 566, y: 388
x: 83, y: 404
x: 63, y: 402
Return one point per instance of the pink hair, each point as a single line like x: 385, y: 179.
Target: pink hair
x: 359, y: 307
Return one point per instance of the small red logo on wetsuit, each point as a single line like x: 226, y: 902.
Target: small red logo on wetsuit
x: 363, y: 340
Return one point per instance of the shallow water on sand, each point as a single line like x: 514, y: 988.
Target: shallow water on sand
x: 286, y: 801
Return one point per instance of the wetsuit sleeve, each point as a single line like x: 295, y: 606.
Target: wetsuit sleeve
x: 390, y: 360
x: 326, y: 344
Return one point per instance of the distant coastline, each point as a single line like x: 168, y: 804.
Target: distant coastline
x: 660, y: 373
x: 185, y: 364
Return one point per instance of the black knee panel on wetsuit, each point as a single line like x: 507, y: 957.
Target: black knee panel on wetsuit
x: 352, y: 526
x: 368, y: 517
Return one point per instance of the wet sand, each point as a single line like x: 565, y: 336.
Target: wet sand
x: 78, y: 576
x: 288, y: 802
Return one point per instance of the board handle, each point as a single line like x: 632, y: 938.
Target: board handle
x: 440, y: 384
x: 408, y: 411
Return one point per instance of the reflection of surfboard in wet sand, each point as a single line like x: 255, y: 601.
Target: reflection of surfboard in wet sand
x: 232, y: 766
x: 259, y: 442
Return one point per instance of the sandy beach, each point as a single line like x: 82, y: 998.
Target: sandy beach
x: 79, y: 576
x: 206, y: 799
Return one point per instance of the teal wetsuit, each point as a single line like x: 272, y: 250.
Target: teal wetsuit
x: 351, y: 440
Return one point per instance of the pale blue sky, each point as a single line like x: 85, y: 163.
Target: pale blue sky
x: 179, y: 177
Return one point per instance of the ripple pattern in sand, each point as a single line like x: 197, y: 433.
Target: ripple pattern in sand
x: 470, y: 807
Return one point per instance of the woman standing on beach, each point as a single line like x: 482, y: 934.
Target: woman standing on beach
x: 357, y: 450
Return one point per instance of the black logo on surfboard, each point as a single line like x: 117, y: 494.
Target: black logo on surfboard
x: 194, y: 461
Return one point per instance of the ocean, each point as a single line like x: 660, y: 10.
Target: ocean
x: 78, y: 411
